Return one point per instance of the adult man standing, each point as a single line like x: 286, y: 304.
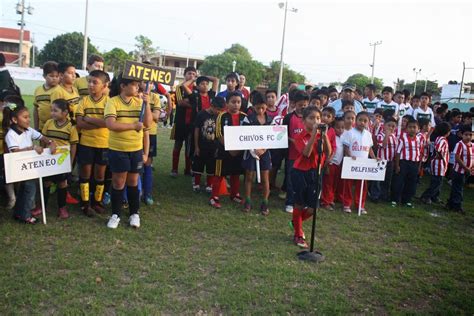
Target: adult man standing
x: 348, y: 93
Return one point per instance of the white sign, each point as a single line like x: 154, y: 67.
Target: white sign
x: 255, y: 137
x: 27, y: 165
x: 363, y: 169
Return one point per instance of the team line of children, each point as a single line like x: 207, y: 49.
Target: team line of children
x: 115, y: 132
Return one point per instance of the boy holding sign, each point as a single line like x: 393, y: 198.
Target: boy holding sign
x: 19, y: 136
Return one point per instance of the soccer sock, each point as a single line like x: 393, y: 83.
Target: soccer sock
x: 209, y: 181
x: 99, y: 191
x: 197, y: 179
x: 84, y: 188
x: 133, y: 199
x: 117, y: 199
x: 61, y: 193
x: 124, y: 195
x: 175, y: 160
x: 234, y: 185
x: 216, y: 184
x: 305, y: 215
x: 147, y: 180
x: 297, y: 222
x: 265, y: 202
x: 46, y: 192
x: 187, y: 167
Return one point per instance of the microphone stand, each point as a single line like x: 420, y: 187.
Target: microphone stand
x: 311, y: 254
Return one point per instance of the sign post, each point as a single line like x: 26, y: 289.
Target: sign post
x: 28, y: 165
x: 255, y: 137
x: 363, y: 169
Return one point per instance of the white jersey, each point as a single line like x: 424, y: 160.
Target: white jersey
x: 359, y: 143
x: 16, y: 139
x: 388, y: 106
x: 419, y: 113
x: 339, y: 153
x: 370, y: 105
x: 405, y: 109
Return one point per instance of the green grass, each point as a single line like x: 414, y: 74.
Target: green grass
x: 188, y: 258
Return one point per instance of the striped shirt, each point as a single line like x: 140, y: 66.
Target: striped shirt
x: 386, y: 152
x: 424, y: 146
x: 466, y: 154
x: 410, y: 148
x: 439, y: 164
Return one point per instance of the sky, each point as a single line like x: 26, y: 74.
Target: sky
x: 325, y: 40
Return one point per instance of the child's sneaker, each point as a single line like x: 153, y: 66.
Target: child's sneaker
x: 363, y: 211
x: 247, y: 207
x: 113, y: 221
x: 106, y: 198
x: 347, y: 210
x: 134, y: 220
x: 70, y: 199
x: 174, y: 173
x: 214, y: 202
x: 36, y: 212
x: 426, y: 200
x: 236, y: 198
x: 209, y: 189
x: 328, y: 207
x: 264, y: 209
x: 196, y: 188
x: 88, y: 211
x: 393, y: 204
x: 63, y: 213
x: 300, y: 242
x: 289, y: 209
x: 409, y: 205
x: 99, y: 208
x: 282, y: 195
x: 148, y: 200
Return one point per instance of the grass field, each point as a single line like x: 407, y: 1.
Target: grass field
x: 188, y: 258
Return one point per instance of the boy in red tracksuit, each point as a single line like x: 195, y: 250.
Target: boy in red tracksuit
x: 304, y: 172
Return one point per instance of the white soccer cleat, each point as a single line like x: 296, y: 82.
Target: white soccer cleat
x: 113, y: 221
x: 135, y: 220
x: 289, y: 208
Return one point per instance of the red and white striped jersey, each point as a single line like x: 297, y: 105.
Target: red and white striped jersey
x: 466, y: 154
x: 425, y: 150
x: 410, y: 148
x: 439, y: 164
x: 387, y: 152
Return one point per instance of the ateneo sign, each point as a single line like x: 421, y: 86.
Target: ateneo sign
x: 144, y: 72
x: 27, y: 165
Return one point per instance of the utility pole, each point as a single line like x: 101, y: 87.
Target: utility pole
x: 462, y: 78
x: 280, y: 75
x: 187, y: 51
x: 416, y: 78
x: 20, y: 9
x: 84, y: 49
x: 373, y: 59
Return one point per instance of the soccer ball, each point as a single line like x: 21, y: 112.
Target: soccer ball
x: 163, y: 101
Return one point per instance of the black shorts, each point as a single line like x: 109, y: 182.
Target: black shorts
x: 229, y: 166
x: 152, y: 152
x: 278, y: 155
x: 122, y: 161
x: 249, y: 163
x: 304, y: 187
x: 181, y: 132
x: 57, y: 178
x: 90, y: 155
x: 206, y: 159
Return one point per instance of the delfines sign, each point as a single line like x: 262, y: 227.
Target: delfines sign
x: 363, y: 169
x: 27, y: 165
x: 144, y: 72
x: 255, y: 137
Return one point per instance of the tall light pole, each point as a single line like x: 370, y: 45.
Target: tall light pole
x: 84, y: 48
x: 33, y: 51
x: 417, y: 71
x: 462, y: 79
x: 234, y: 63
x: 426, y: 81
x: 187, y: 51
x: 373, y: 59
x: 280, y: 75
x: 20, y: 9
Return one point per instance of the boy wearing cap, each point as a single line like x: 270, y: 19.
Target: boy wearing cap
x: 205, y: 143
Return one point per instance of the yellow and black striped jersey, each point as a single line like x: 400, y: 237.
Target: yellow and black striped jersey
x: 88, y: 107
x: 62, y: 135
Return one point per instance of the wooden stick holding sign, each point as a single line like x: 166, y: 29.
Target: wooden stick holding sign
x: 28, y: 165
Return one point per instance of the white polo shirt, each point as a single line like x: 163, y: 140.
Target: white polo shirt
x: 339, y: 153
x: 389, y: 106
x: 359, y: 143
x: 15, y: 139
x: 419, y: 113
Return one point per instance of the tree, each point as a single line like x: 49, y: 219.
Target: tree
x: 221, y: 64
x: 144, y: 48
x: 360, y: 81
x: 66, y: 48
x: 115, y: 59
x: 431, y: 87
x: 288, y: 76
